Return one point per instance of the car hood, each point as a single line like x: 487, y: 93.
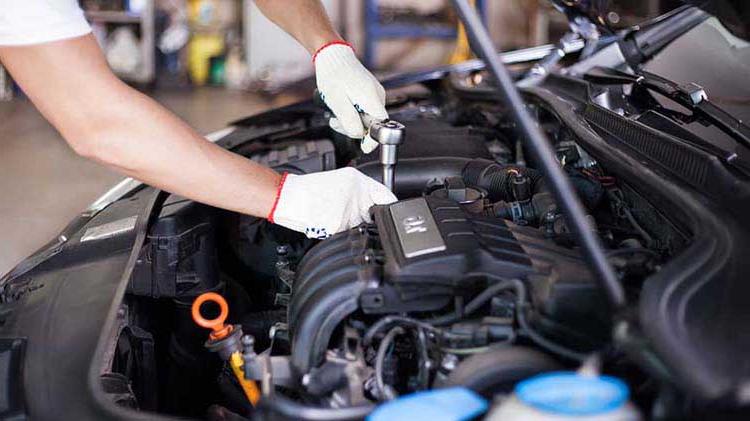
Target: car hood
x: 734, y: 14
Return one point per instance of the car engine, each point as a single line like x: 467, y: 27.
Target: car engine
x: 472, y: 278
x: 423, y: 255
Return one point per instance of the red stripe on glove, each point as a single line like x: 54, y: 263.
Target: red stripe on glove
x: 328, y: 44
x: 278, y: 196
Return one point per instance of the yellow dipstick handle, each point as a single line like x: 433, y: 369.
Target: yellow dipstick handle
x: 249, y: 386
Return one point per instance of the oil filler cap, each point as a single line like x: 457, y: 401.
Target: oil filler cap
x: 573, y: 394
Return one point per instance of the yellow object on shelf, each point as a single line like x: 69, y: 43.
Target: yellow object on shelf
x: 462, y: 52
x: 200, y: 50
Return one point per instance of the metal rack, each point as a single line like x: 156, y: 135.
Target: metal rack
x: 375, y: 31
x: 145, y: 20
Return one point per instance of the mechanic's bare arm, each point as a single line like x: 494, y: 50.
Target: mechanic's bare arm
x: 104, y: 119
x: 305, y: 20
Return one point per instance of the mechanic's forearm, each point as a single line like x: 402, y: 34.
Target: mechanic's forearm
x: 147, y: 142
x: 305, y: 20
x: 106, y: 120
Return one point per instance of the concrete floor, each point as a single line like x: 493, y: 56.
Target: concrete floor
x: 43, y: 184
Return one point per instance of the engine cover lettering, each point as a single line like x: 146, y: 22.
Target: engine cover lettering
x: 416, y: 229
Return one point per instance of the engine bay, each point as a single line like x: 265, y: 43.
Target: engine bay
x: 472, y: 278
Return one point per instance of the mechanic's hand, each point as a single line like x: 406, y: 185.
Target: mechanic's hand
x: 348, y: 89
x: 322, y: 204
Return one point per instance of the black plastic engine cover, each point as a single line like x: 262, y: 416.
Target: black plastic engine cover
x: 432, y: 248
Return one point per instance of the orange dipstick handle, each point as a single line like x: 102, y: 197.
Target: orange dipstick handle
x: 219, y: 330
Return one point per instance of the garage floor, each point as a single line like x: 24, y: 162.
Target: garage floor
x: 43, y: 184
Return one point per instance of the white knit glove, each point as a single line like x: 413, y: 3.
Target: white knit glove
x: 322, y: 204
x: 348, y: 89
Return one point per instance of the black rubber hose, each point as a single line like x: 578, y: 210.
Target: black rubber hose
x: 520, y: 289
x: 383, y: 392
x: 408, y: 321
x: 487, y: 295
x: 290, y: 409
x: 457, y: 313
x: 423, y: 356
x: 497, y: 179
x: 475, y: 304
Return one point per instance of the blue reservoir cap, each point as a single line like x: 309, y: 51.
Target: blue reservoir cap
x: 567, y: 393
x: 452, y: 404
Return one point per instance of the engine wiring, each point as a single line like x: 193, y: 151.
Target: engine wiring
x: 384, y: 392
x: 476, y: 303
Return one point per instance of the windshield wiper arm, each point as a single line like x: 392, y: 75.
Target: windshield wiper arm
x: 690, y: 96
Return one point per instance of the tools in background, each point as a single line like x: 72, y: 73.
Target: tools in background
x: 230, y: 43
x: 462, y: 51
x: 126, y: 32
x: 200, y: 38
x: 122, y: 51
x: 214, y: 25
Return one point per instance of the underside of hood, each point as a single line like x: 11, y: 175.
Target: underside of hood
x: 734, y: 14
